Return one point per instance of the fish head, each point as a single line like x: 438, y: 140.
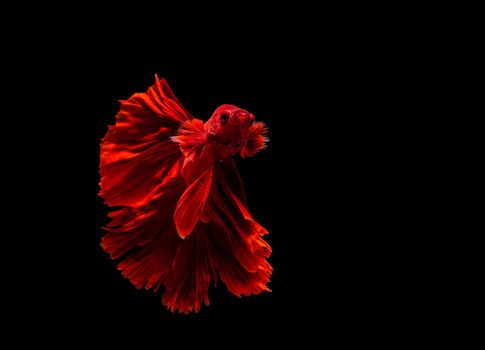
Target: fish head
x: 229, y: 127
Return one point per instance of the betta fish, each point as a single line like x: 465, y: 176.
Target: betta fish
x: 182, y: 221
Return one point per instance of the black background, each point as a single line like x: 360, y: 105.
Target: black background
x: 335, y: 187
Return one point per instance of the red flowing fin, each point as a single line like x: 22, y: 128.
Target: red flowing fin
x: 234, y: 182
x: 153, y: 255
x: 191, y: 138
x: 166, y: 101
x: 256, y: 140
x: 137, y: 155
x: 236, y: 242
x: 191, y: 205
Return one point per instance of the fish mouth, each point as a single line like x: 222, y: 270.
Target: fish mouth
x: 226, y: 144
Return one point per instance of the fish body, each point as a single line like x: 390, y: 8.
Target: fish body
x: 184, y: 223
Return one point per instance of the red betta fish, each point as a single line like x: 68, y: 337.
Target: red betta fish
x: 184, y: 220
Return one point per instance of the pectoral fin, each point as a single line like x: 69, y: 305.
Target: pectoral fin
x: 190, y: 207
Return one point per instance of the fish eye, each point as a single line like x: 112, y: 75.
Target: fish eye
x: 224, y: 117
